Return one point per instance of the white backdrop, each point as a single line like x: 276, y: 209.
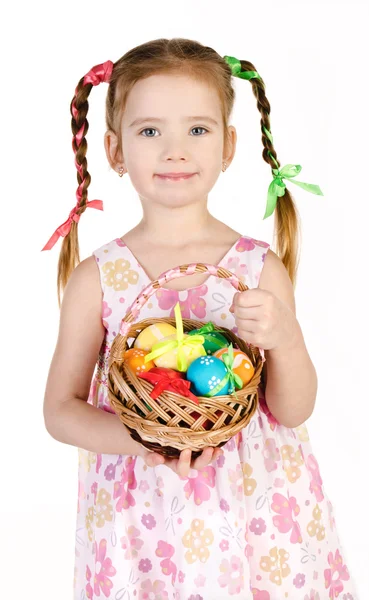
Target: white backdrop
x: 313, y: 59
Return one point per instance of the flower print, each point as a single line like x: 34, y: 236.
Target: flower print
x: 155, y: 590
x: 265, y: 410
x: 181, y: 577
x: 316, y: 482
x: 302, y: 433
x: 241, y: 482
x: 315, y: 527
x: 334, y: 576
x: 276, y: 564
x: 199, y: 483
x: 144, y: 486
x: 258, y: 526
x: 224, y: 545
x: 249, y: 551
x: 131, y: 542
x: 232, y: 575
x: 247, y: 244
x: 299, y: 581
x: 200, y: 580
x: 287, y: 507
x: 224, y: 505
x: 102, y: 581
x: 220, y: 461
x: 168, y: 567
x: 197, y: 539
x: 233, y: 265
x: 348, y: 597
x: 128, y: 482
x: 195, y: 597
x: 109, y: 472
x: 194, y: 302
x: 145, y: 565
x: 89, y: 519
x: 313, y: 595
x: 89, y: 590
x: 86, y: 459
x: 291, y: 461
x: 148, y: 521
x: 104, y: 510
x: 106, y: 312
x: 118, y: 274
x: 271, y: 455
x: 332, y: 520
x: 81, y: 494
x: 260, y: 594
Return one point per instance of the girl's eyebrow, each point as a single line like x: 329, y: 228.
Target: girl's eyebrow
x: 157, y: 120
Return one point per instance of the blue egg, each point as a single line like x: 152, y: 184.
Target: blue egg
x: 205, y: 373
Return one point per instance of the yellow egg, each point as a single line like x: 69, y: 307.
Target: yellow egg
x: 242, y: 365
x: 168, y: 360
x: 152, y: 334
x: 135, y: 359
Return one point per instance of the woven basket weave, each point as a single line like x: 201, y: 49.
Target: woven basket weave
x: 169, y: 427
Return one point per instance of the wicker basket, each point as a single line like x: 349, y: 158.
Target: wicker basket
x: 169, y: 427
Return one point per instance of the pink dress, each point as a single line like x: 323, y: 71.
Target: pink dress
x: 257, y: 524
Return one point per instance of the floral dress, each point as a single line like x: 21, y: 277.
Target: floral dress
x: 256, y: 524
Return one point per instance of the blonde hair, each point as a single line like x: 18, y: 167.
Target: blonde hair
x: 177, y: 56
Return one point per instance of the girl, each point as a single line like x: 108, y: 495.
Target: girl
x: 251, y: 520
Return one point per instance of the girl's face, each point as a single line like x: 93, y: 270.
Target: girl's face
x: 183, y: 132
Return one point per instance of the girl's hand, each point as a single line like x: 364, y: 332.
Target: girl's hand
x: 183, y: 464
x: 263, y: 320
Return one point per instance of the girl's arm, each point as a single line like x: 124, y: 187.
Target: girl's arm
x: 68, y: 417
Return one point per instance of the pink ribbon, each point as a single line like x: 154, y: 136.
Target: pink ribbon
x: 99, y: 73
x: 64, y: 229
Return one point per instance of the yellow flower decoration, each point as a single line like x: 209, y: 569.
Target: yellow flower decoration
x: 276, y: 565
x: 315, y: 527
x: 118, y: 274
x: 197, y: 539
x: 291, y: 462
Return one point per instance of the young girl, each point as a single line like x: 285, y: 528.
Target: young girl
x: 251, y: 520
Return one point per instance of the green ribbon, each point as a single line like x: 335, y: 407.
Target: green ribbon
x: 209, y: 328
x: 277, y: 186
x: 236, y: 68
x: 166, y: 345
x: 233, y: 379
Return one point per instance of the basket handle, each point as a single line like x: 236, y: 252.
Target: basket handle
x: 181, y: 271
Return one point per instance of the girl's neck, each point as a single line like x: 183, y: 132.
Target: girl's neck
x: 172, y: 226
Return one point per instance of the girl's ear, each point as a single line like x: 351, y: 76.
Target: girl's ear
x: 230, y: 145
x: 111, y: 145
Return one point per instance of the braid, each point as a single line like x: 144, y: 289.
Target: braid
x: 287, y: 222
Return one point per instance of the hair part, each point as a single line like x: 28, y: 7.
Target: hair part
x: 185, y: 57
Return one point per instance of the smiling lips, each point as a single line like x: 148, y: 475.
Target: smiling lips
x: 175, y: 176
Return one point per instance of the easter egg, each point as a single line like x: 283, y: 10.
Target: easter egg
x: 242, y: 365
x: 214, y: 340
x: 205, y: 373
x: 152, y: 334
x: 135, y: 359
x: 169, y: 359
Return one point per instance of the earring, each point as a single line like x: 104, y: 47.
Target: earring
x: 120, y: 173
x: 224, y: 166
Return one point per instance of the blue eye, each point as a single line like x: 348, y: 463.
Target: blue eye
x: 153, y: 129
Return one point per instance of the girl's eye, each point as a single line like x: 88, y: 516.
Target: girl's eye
x: 153, y: 129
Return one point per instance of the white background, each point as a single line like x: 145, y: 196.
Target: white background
x: 313, y: 59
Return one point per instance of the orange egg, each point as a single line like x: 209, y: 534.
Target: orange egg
x: 135, y: 359
x: 242, y: 365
